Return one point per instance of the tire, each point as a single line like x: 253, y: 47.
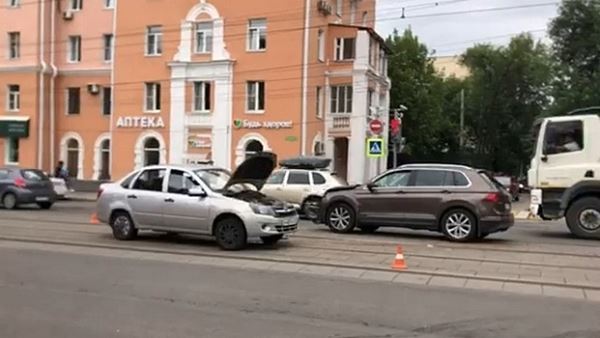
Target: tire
x: 122, y: 226
x: 459, y: 225
x: 341, y: 218
x: 230, y: 233
x: 368, y: 229
x: 583, y: 218
x: 45, y: 205
x: 310, y: 207
x: 9, y: 201
x: 271, y: 240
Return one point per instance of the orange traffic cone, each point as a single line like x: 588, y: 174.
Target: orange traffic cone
x: 399, y: 263
x: 94, y: 219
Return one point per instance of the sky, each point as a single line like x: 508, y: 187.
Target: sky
x: 452, y: 34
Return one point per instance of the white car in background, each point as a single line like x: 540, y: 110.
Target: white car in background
x: 60, y: 187
x: 302, y: 181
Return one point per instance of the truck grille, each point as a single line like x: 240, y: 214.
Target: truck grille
x: 286, y: 228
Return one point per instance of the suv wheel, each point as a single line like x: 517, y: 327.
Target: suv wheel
x: 231, y: 234
x: 122, y: 226
x: 341, y: 218
x: 459, y: 225
x: 9, y: 201
x: 583, y: 218
x: 310, y: 207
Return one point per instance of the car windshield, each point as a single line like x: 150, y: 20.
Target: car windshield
x: 215, y: 179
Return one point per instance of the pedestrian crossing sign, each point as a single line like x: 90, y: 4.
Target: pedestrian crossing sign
x: 375, y: 147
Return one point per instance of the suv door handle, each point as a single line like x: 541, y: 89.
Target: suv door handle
x: 446, y: 192
x: 169, y: 200
x: 132, y: 197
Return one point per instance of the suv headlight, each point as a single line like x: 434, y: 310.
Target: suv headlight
x: 262, y: 209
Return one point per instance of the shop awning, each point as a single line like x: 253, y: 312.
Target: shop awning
x: 14, y: 126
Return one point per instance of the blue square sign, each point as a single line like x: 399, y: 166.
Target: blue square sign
x: 375, y: 147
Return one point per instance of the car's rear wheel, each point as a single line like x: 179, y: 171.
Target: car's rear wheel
x: 271, y: 240
x: 341, y: 218
x: 122, y: 226
x: 45, y: 205
x: 9, y: 201
x: 310, y: 207
x: 583, y: 218
x: 459, y: 225
x: 231, y: 234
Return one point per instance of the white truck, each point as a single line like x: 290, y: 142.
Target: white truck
x: 565, y: 171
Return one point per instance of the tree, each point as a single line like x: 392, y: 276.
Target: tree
x: 575, y: 34
x: 508, y: 89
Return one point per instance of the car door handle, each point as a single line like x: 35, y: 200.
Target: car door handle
x: 400, y: 192
x: 132, y: 197
x: 446, y: 191
x: 169, y: 200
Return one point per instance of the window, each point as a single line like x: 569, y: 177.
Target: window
x: 393, y: 180
x: 318, y: 179
x: 370, y: 96
x: 4, y: 174
x: 204, y: 37
x: 151, y: 152
x: 152, y: 97
x: 341, y: 99
x: 433, y: 178
x: 298, y: 178
x: 257, y: 35
x: 14, y: 3
x: 202, y: 96
x: 14, y: 98
x: 344, y: 49
x: 108, y: 47
x: 338, y: 7
x: 14, y: 45
x: 12, y: 150
x: 109, y: 4
x: 563, y: 137
x: 321, y: 45
x: 74, y: 48
x: 150, y: 180
x: 460, y: 180
x: 106, y: 101
x: 319, y: 100
x: 76, y: 5
x: 181, y: 182
x: 256, y: 96
x: 127, y: 181
x: 276, y: 178
x: 154, y: 40
x: 73, y: 101
x: 253, y: 147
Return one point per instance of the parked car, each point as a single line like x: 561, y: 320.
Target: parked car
x: 19, y: 186
x: 203, y: 200
x: 60, y: 187
x: 511, y: 184
x: 302, y: 181
x: 461, y: 202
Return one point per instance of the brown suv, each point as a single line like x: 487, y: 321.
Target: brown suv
x: 461, y: 202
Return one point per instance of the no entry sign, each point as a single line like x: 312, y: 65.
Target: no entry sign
x: 376, y: 126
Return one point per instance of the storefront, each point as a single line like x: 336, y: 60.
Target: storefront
x: 12, y: 130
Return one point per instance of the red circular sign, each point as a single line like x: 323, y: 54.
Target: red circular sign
x: 376, y: 126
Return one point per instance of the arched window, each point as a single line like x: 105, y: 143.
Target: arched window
x: 73, y: 157
x: 253, y: 147
x: 151, y: 151
x: 105, y: 160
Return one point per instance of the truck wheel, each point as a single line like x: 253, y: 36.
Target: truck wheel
x: 583, y: 217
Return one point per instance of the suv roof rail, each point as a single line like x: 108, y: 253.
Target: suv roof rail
x: 439, y: 165
x: 584, y: 111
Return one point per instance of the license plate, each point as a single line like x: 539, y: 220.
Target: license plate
x: 287, y: 222
x: 42, y: 199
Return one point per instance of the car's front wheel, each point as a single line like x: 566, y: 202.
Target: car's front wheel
x: 583, y: 218
x: 341, y: 218
x: 231, y: 234
x: 122, y: 226
x: 459, y: 225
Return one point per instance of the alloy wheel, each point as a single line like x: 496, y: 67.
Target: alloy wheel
x: 122, y: 224
x: 340, y: 218
x: 458, y: 225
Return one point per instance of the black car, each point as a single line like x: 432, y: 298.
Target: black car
x: 20, y: 186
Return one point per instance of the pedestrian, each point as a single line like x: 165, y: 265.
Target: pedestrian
x: 61, y: 172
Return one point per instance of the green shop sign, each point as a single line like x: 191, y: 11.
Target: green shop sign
x: 14, y: 127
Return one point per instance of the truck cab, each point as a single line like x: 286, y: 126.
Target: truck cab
x: 565, y: 171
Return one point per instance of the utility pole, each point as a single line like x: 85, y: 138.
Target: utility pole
x: 462, y: 118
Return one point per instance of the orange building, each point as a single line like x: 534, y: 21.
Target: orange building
x: 108, y: 86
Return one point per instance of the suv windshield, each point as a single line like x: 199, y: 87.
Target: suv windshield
x: 215, y: 179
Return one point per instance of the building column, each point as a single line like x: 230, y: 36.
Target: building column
x: 222, y: 122
x: 177, y: 119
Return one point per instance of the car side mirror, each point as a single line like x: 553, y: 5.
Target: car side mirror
x: 197, y: 192
x: 371, y: 186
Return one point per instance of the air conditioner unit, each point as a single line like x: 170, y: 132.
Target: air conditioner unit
x: 93, y: 88
x: 68, y: 15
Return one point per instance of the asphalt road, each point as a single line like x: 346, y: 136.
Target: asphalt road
x: 46, y: 294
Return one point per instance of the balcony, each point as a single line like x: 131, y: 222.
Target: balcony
x: 340, y: 123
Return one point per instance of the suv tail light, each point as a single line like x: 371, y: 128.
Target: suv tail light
x: 493, y: 197
x: 100, y: 191
x: 20, y: 182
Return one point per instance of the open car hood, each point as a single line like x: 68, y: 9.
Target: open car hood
x: 255, y: 170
